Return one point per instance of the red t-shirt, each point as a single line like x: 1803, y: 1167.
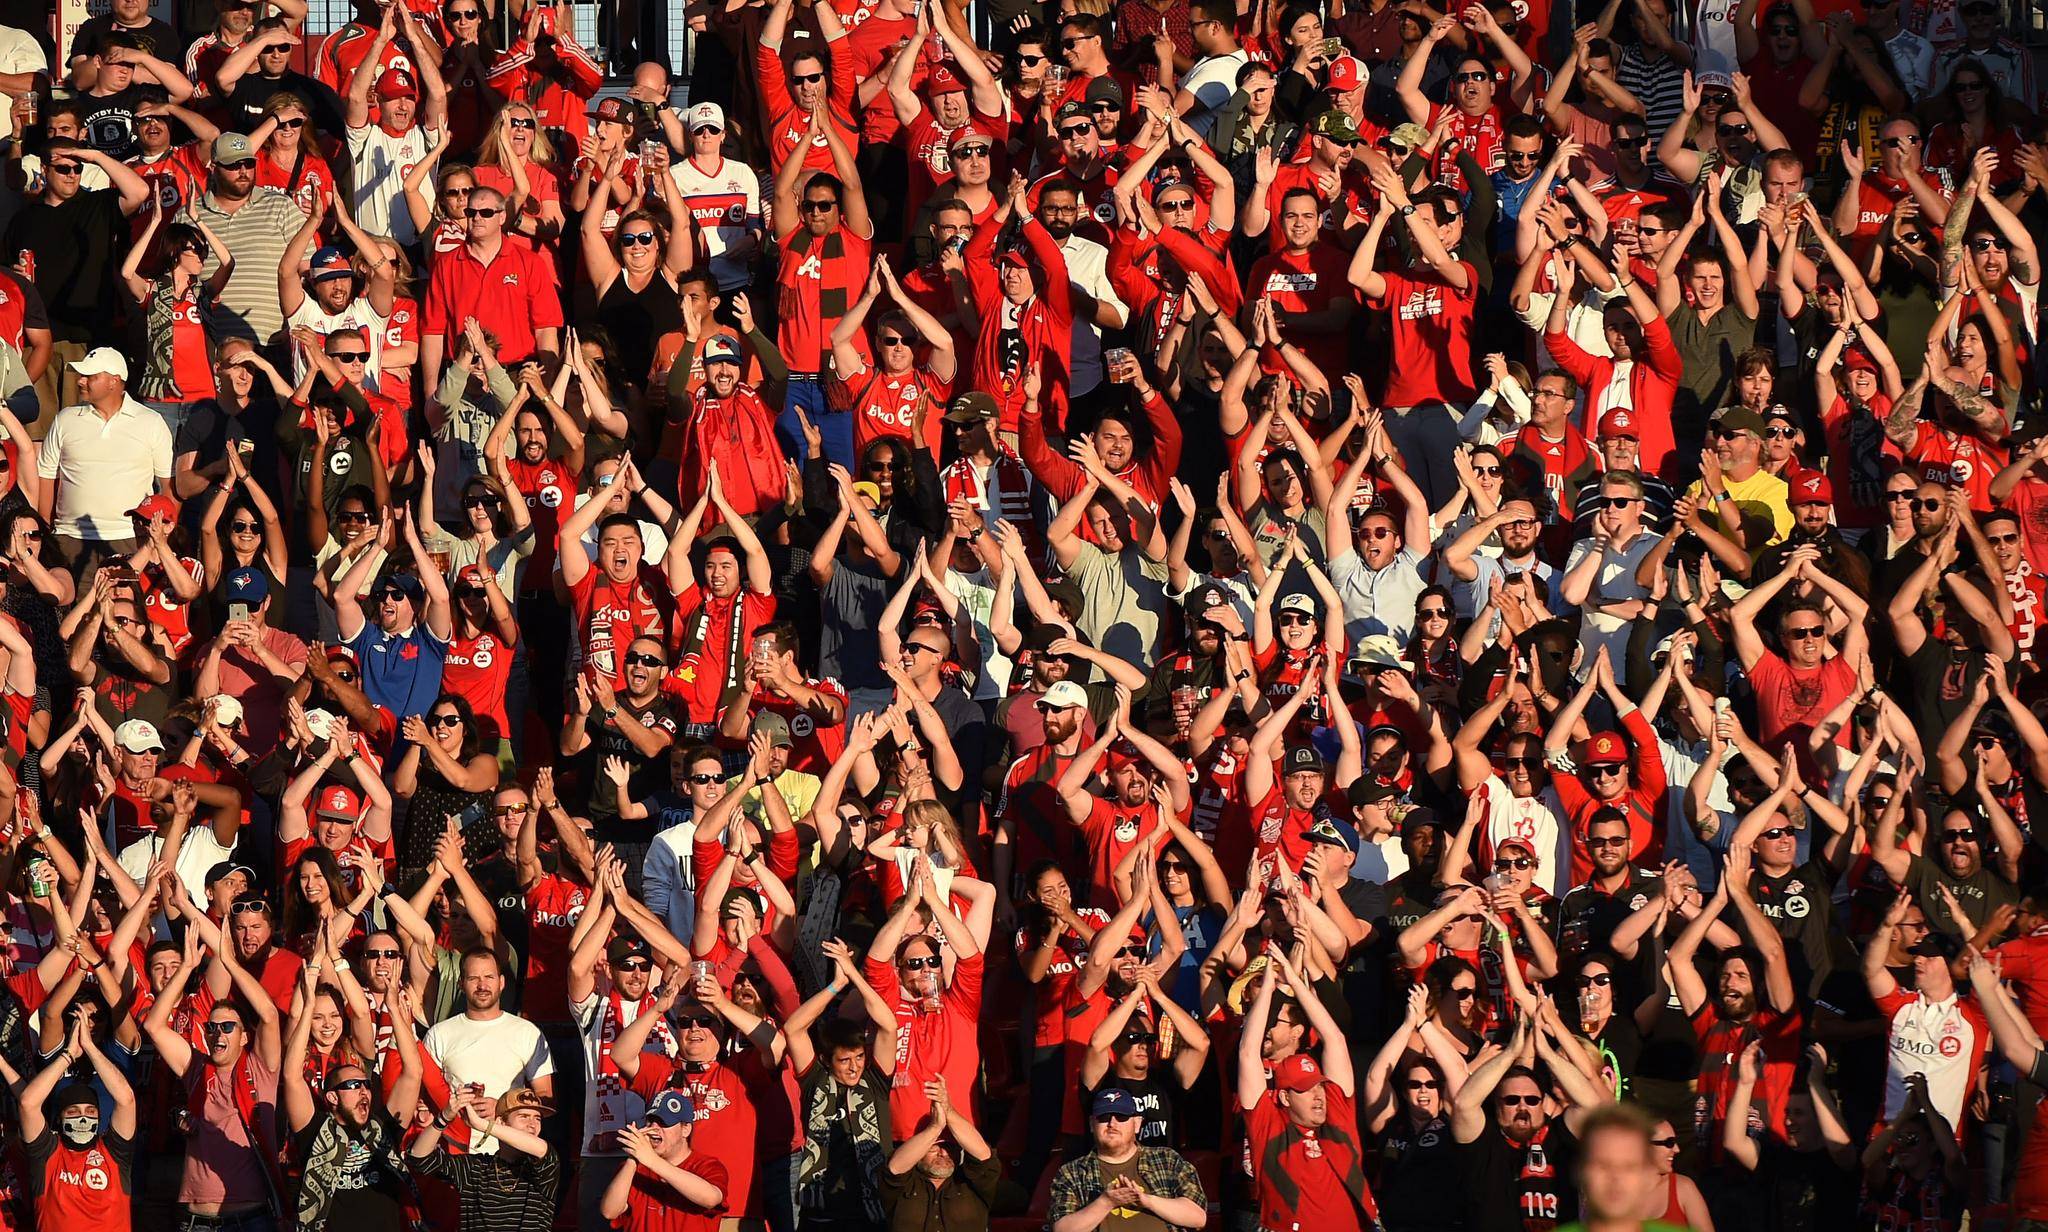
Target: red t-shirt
x: 1112, y: 831
x: 931, y: 1043
x: 1432, y: 337
x: 553, y: 905
x: 1721, y: 1043
x: 476, y: 670
x: 1310, y: 1178
x: 1308, y: 281
x: 1787, y: 698
x: 817, y: 288
x: 653, y: 1205
x: 724, y: 1125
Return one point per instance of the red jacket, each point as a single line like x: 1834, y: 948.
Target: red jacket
x: 1147, y: 474
x: 1154, y: 295
x: 1046, y: 322
x: 1652, y: 385
x: 560, y: 93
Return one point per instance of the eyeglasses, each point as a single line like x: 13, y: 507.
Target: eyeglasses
x: 1601, y: 980
x: 483, y: 211
x: 637, y: 659
x: 815, y: 206
x: 1959, y: 836
x: 1732, y: 130
x: 511, y: 810
x: 1523, y: 864
x: 1806, y: 631
x: 634, y: 239
x: 351, y: 1084
x: 1775, y: 833
x: 520, y: 121
x: 373, y: 955
x: 930, y: 963
x: 1473, y: 75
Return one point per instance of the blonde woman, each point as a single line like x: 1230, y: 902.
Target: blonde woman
x: 287, y: 158
x: 518, y: 160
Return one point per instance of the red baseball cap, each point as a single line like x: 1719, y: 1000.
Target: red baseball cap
x: 943, y: 80
x: 156, y: 505
x: 397, y: 83
x: 1605, y: 749
x: 1811, y: 488
x: 340, y: 802
x: 1346, y: 73
x: 1620, y: 422
x: 1298, y: 1073
x: 1856, y: 359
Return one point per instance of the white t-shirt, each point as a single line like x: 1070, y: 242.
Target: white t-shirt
x: 1088, y: 269
x: 382, y: 161
x: 501, y: 1053
x: 196, y: 857
x: 20, y: 53
x: 1535, y: 821
x: 725, y: 201
x: 104, y: 467
x: 1212, y: 80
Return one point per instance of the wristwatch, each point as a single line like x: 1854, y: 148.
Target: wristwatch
x: 611, y: 712
x: 1408, y: 210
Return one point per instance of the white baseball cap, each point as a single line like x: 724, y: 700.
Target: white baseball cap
x: 138, y: 736
x: 705, y: 115
x: 102, y: 361
x: 318, y: 722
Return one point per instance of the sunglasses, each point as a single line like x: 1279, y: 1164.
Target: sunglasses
x: 1665, y: 1144
x: 932, y: 963
x: 1422, y: 1084
x: 806, y: 79
x: 1898, y: 143
x: 224, y: 1027
x: 1432, y: 613
x: 1775, y: 833
x: 1072, y: 131
x: 1805, y: 631
x: 510, y: 810
x: 704, y: 780
x: 249, y: 906
x: 245, y: 528
x: 645, y: 660
x: 1595, y: 981
x: 1075, y: 40
x: 243, y: 165
x: 635, y: 964
x: 892, y: 340
x: 1929, y: 506
x: 482, y: 500
x: 282, y: 124
x: 1294, y: 618
x: 1968, y: 85
x: 1526, y: 763
x: 1781, y: 433
x: 696, y: 1020
x: 1465, y: 994
x: 464, y: 14
x: 444, y: 720
x: 1733, y: 130
x: 1131, y: 951
x: 634, y: 239
x: 1612, y: 840
x: 1604, y: 771
x: 2011, y: 538
x: 1030, y: 61
x: 1177, y: 205
x: 1959, y: 836
x: 1474, y: 75
x: 820, y: 207
x: 1985, y: 243
x: 349, y: 357
x: 483, y: 211
x: 1524, y: 156
x: 346, y: 1084
x: 921, y: 648
x: 1903, y: 494
x: 1987, y: 743
x: 1523, y: 864
x: 520, y: 122
x: 376, y: 954
x: 1520, y: 1101
x: 971, y: 151
x: 1486, y: 471
x: 66, y: 168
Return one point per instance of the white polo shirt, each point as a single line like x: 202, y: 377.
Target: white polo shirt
x: 104, y: 467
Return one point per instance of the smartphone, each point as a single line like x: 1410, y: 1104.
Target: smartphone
x: 245, y: 446
x: 238, y: 611
x: 1332, y: 48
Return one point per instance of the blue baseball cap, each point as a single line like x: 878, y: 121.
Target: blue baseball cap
x: 671, y: 1108
x: 330, y: 262
x: 1114, y: 1102
x: 247, y: 585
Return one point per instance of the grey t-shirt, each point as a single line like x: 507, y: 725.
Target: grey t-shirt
x: 850, y: 606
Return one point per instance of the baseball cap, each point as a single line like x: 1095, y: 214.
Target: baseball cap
x: 330, y: 262
x: 1070, y: 109
x: 1336, y: 126
x: 1740, y: 419
x: 1104, y: 90
x: 1017, y: 256
x: 1713, y: 80
x: 1202, y: 599
x: 671, y: 1107
x: 722, y: 349
x: 775, y: 727
x: 943, y: 80
x: 337, y: 800
x: 397, y: 83
x: 232, y: 148
x: 705, y: 115
x: 870, y: 492
x: 226, y: 710
x: 1114, y: 1102
x: 1335, y: 833
x: 1367, y: 789
x: 1298, y: 1073
x: 1605, y: 749
x: 625, y: 946
x: 1620, y: 422
x: 613, y: 109
x: 1937, y: 944
x: 967, y: 132
x: 1811, y: 488
x: 1346, y: 73
x: 156, y: 505
x: 1063, y: 695
x: 1300, y: 601
x: 1304, y: 757
x: 523, y: 1097
x: 971, y: 407
x: 138, y: 736
x: 102, y: 361
x: 1856, y: 359
x: 319, y: 722
x: 228, y: 868
x: 1408, y: 136
x: 407, y: 585
x: 248, y: 586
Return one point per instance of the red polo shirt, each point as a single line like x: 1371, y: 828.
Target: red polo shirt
x: 511, y: 297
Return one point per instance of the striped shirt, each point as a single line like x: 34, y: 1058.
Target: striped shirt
x: 505, y: 1191
x: 257, y: 234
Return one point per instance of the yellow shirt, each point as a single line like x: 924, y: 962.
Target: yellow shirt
x: 1762, y: 495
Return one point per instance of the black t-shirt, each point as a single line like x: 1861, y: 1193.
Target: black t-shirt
x: 1799, y: 905
x: 1792, y: 1188
x: 1157, y: 1100
x: 647, y: 773
x: 1979, y: 894
x: 367, y: 1196
x: 1418, y: 1169
x: 155, y: 37
x: 1587, y: 916
x: 73, y: 243
x: 1940, y: 678
x: 1516, y: 1188
x: 245, y: 102
x: 109, y: 120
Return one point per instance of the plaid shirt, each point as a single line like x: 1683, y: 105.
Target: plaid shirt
x: 1161, y: 1171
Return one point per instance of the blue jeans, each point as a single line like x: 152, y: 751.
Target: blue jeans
x: 836, y: 427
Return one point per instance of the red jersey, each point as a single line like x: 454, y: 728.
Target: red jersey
x: 553, y: 905
x: 813, y: 748
x: 822, y: 275
x: 1721, y: 1043
x: 1353, y: 199
x: 1050, y: 1005
x: 725, y: 1123
x: 1113, y: 828
x: 932, y: 1042
x: 476, y: 670
x: 1309, y: 281
x: 1033, y: 810
x: 550, y: 489
x: 787, y: 125
x: 1310, y: 1178
x: 883, y: 405
x: 1956, y: 459
x: 711, y: 636
x: 653, y: 1205
x: 1432, y: 337
x: 609, y: 615
x: 78, y: 1189
x: 1788, y: 698
x: 311, y: 184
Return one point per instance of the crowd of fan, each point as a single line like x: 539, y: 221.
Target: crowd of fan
x: 1144, y: 615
